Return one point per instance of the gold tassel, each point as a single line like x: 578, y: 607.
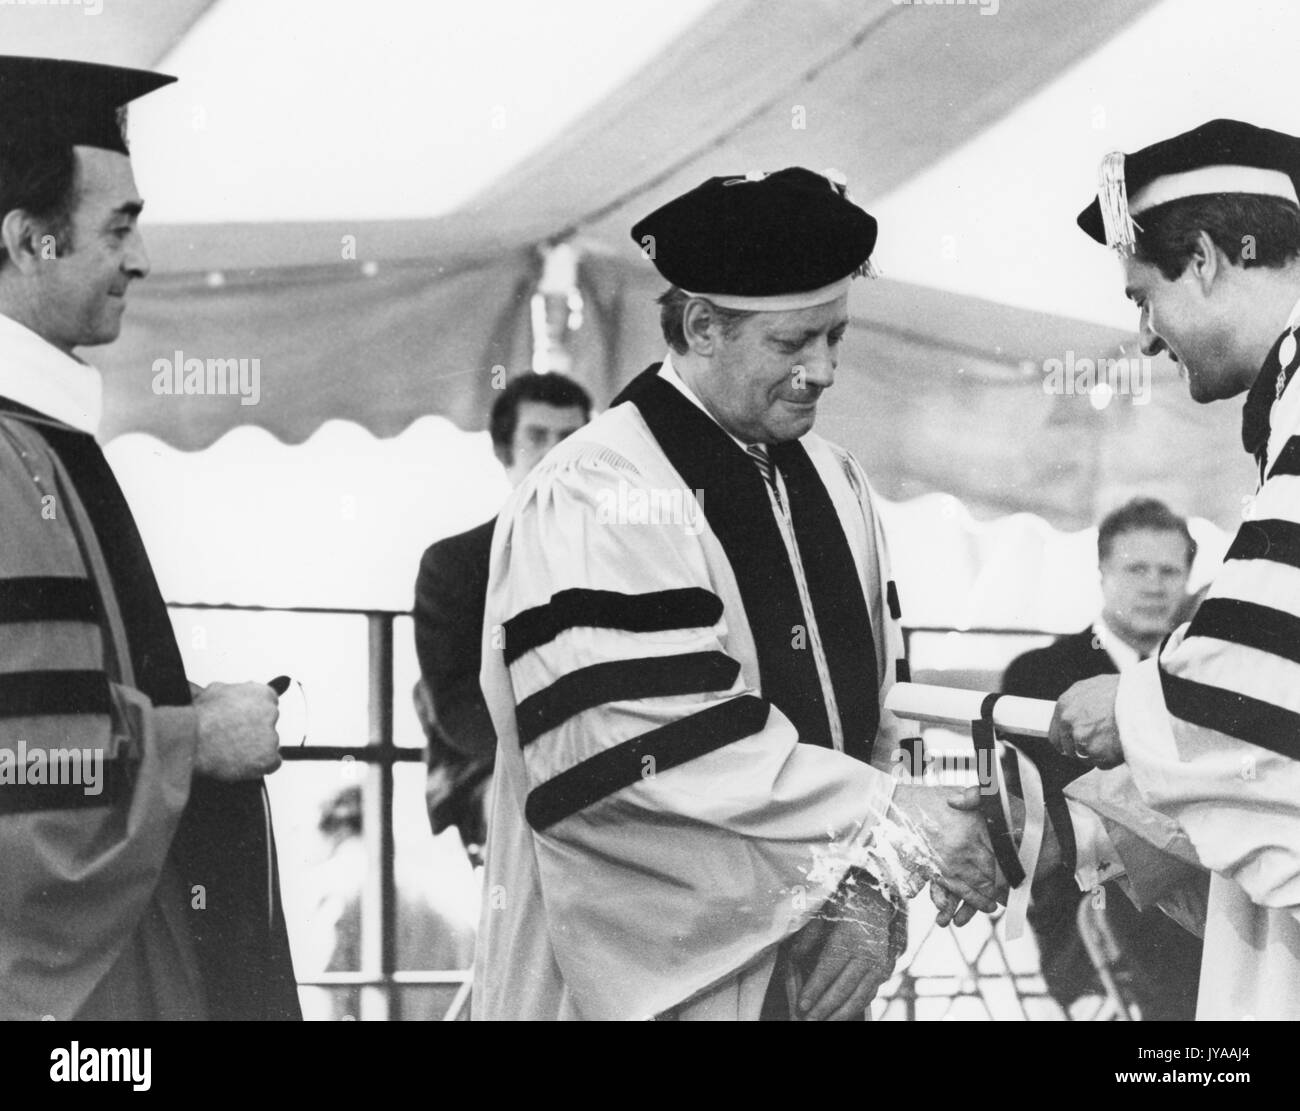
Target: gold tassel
x: 867, y: 270
x: 1112, y: 195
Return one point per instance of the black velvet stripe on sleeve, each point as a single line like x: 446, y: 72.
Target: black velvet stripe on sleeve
x: 1272, y: 539
x: 621, y: 681
x: 25, y: 694
x: 47, y: 598
x: 114, y: 787
x: 652, y: 612
x: 651, y: 753
x: 1249, y: 624
x: 1238, y: 715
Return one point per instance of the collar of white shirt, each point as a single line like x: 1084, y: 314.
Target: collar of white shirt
x: 37, y: 374
x: 669, y: 374
x: 1122, y: 655
x: 1294, y: 319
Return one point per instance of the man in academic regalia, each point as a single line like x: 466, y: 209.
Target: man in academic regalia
x: 137, y: 871
x: 1203, y: 739
x: 690, y: 630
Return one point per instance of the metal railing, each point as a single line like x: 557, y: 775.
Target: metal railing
x: 379, y: 979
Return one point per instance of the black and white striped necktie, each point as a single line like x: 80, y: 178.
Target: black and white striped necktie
x: 758, y: 452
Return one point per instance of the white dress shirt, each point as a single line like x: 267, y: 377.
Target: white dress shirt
x: 38, y: 375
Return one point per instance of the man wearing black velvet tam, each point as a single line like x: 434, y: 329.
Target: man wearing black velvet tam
x: 1203, y: 738
x: 137, y: 872
x: 690, y: 634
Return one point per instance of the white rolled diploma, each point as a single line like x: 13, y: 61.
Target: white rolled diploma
x: 931, y: 705
x: 1031, y: 717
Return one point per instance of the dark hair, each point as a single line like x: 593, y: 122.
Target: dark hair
x: 42, y: 181
x: 1252, y: 230
x: 672, y: 310
x: 1142, y: 513
x: 549, y: 389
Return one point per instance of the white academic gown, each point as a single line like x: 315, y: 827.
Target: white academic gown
x: 669, y: 896
x: 1206, y: 730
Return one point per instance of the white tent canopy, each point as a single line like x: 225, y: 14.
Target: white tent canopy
x: 451, y: 141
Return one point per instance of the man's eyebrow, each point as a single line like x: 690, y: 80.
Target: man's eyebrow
x: 809, y: 333
x: 130, y: 208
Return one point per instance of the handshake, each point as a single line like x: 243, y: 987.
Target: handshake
x: 956, y: 853
x: 935, y: 835
x: 840, y: 959
x: 942, y: 837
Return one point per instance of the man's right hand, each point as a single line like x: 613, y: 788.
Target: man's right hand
x: 237, y: 738
x: 959, y: 843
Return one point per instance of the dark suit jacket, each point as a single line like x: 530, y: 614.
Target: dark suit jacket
x: 1162, y: 959
x: 450, y: 593
x: 1048, y: 673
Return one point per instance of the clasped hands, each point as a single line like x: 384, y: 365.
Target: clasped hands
x: 853, y: 954
x: 964, y: 873
x: 842, y: 957
x: 1083, y: 726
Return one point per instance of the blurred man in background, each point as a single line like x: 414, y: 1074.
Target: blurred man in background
x: 1145, y: 554
x: 533, y: 414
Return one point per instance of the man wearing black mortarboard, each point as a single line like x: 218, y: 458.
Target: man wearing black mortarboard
x: 1203, y: 738
x: 690, y: 631
x: 137, y: 871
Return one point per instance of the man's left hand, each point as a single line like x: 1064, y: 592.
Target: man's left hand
x: 1084, y: 722
x: 854, y: 944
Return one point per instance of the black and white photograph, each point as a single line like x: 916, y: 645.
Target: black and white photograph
x: 704, y: 510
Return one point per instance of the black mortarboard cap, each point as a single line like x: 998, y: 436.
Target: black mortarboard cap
x: 765, y: 241
x: 1222, y: 156
x: 48, y: 100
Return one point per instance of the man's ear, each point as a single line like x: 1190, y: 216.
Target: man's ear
x: 698, y: 323
x: 21, y: 236
x: 1207, y: 262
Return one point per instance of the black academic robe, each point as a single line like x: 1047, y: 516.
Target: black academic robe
x: 162, y: 857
